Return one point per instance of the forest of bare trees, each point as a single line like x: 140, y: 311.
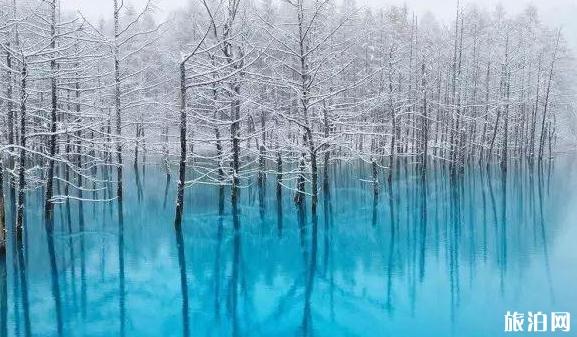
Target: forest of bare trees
x: 230, y: 90
x: 243, y: 93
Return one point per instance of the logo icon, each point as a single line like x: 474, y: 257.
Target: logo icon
x: 537, y: 322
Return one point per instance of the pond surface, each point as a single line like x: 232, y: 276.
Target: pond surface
x: 431, y: 256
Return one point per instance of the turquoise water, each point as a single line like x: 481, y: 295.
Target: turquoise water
x: 431, y: 256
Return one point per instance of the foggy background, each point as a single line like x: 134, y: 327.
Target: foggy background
x: 555, y: 13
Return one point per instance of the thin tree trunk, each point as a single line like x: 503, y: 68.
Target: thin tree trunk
x: 22, y: 155
x: 2, y: 215
x: 117, y: 107
x: 9, y: 106
x: 261, y: 159
x: 534, y: 114
x: 182, y: 161
x: 486, y: 117
x: 547, y: 92
x: 235, y: 139
x: 49, y: 206
x: 505, y: 155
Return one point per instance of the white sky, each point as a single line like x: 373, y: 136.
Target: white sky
x: 558, y: 13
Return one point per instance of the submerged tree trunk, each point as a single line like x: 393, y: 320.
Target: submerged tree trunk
x: 3, y: 295
x: 2, y: 214
x: 375, y: 173
x: 235, y: 139
x: 279, y: 172
x: 314, y: 181
x: 300, y: 193
x: 136, y: 144
x: 22, y: 154
x: 182, y: 161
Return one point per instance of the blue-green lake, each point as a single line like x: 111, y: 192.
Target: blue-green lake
x: 434, y: 255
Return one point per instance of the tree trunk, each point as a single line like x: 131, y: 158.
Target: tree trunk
x: 543, y: 128
x: 9, y: 106
x: 300, y: 193
x: 117, y: 107
x: 507, y: 79
x: 235, y: 139
x: 22, y: 155
x: 182, y: 161
x: 2, y: 216
x: 49, y: 206
x: 534, y: 115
